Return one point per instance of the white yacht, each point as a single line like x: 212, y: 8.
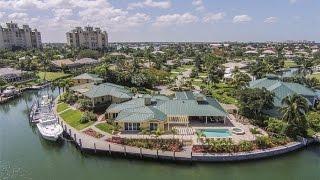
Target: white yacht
x: 10, y: 91
x: 45, y: 100
x: 49, y: 127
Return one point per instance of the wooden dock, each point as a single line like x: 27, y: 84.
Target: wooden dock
x: 90, y: 144
x: 7, y: 99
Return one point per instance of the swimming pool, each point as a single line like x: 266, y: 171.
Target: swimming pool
x: 216, y: 133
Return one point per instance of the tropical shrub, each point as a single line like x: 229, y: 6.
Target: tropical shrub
x: 276, y: 126
x: 255, y: 131
x: 221, y: 146
x: 263, y: 142
x: 280, y: 140
x: 245, y: 146
x: 314, y: 121
x: 161, y: 144
x: 84, y: 119
x: 88, y: 116
x: 84, y: 104
x: 69, y: 98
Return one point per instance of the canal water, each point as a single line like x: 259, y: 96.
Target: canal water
x: 25, y: 155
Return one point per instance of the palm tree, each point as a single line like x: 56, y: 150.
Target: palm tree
x: 293, y: 112
x: 174, y: 132
x: 200, y: 134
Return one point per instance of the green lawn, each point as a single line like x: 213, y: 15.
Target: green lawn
x: 72, y: 117
x: 105, y: 127
x: 289, y: 63
x: 51, y: 76
x: 62, y: 106
x: 315, y: 75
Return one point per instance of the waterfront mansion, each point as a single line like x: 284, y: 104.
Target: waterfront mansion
x: 136, y: 112
x: 164, y: 113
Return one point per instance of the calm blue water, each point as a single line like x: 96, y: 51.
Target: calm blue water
x: 223, y: 133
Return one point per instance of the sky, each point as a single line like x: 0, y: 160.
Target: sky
x: 171, y: 20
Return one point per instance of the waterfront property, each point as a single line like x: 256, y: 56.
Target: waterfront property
x: 13, y: 75
x: 283, y: 89
x: 101, y: 95
x: 86, y: 78
x: 160, y: 112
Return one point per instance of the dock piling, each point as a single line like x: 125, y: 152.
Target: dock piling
x: 95, y: 148
x: 141, y: 153
x: 109, y: 149
x: 157, y: 153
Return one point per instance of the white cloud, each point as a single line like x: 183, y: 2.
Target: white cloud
x: 199, y: 5
x: 175, y: 19
x: 150, y: 3
x: 2, y: 14
x: 16, y: 16
x: 211, y: 17
x: 271, y: 20
x: 197, y: 2
x: 63, y: 13
x: 241, y: 18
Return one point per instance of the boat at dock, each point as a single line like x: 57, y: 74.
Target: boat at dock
x: 10, y: 91
x: 47, y: 123
x: 49, y: 127
x: 40, y: 107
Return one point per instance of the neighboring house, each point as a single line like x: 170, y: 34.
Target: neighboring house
x: 230, y: 67
x: 71, y: 65
x: 86, y: 78
x: 59, y: 64
x: 103, y: 94
x: 86, y: 62
x: 316, y: 68
x: 164, y: 113
x: 13, y: 75
x: 284, y: 89
x: 186, y: 61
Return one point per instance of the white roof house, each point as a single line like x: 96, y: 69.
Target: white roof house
x: 269, y: 52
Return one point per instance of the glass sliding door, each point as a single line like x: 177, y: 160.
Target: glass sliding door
x: 132, y: 126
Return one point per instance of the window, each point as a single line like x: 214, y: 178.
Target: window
x: 131, y: 126
x: 153, y: 126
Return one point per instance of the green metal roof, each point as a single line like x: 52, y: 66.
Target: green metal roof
x: 134, y: 103
x: 91, y: 90
x: 140, y: 114
x: 209, y: 107
x: 283, y: 89
x: 108, y: 89
x: 135, y: 110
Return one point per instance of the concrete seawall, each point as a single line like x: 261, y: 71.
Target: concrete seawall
x: 258, y: 154
x: 86, y: 143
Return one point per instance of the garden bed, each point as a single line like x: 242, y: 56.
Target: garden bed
x: 161, y: 144
x: 227, y: 146
x: 93, y: 133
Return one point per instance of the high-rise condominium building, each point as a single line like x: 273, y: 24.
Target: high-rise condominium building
x: 89, y: 37
x: 14, y: 37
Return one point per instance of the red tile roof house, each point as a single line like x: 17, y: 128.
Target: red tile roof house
x: 72, y: 65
